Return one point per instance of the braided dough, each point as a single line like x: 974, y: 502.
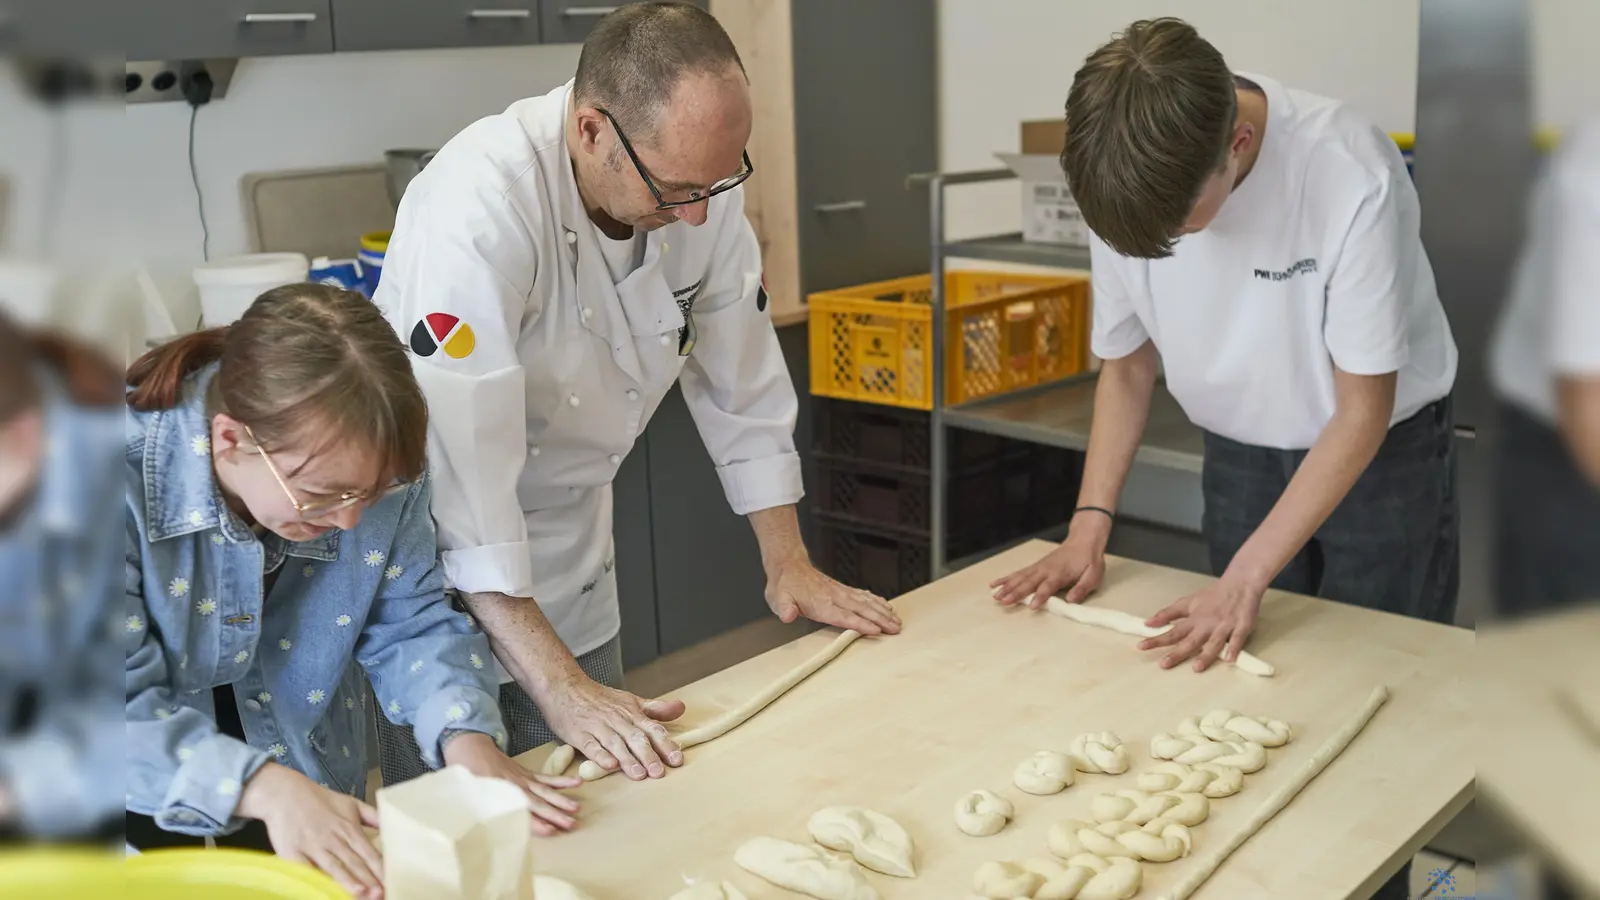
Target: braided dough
x: 1159, y: 840
x: 1128, y: 623
x: 1140, y: 807
x: 1210, y: 779
x: 1083, y: 877
x: 804, y: 870
x: 1045, y: 772
x: 1227, y: 725
x: 1281, y: 797
x: 1099, y: 753
x: 982, y: 813
x: 875, y: 840
x: 1247, y: 756
x: 733, y: 718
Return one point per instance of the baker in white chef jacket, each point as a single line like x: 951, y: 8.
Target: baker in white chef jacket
x: 1545, y: 367
x: 555, y: 270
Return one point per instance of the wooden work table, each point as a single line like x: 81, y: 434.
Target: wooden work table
x: 906, y: 725
x: 1538, y: 746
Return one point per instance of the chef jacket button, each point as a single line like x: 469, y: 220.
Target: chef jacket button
x: 252, y: 705
x: 633, y: 394
x: 615, y: 459
x: 572, y: 400
x: 664, y: 246
x: 533, y: 451
x: 666, y: 339
x: 587, y: 312
x: 572, y: 237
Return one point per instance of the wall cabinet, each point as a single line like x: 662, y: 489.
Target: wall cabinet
x: 197, y: 29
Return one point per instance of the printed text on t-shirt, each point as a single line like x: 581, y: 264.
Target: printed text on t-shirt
x: 1309, y: 264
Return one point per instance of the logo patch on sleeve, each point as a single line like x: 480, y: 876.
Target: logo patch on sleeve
x: 442, y: 331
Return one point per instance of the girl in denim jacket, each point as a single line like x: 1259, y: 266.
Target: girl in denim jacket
x: 280, y: 554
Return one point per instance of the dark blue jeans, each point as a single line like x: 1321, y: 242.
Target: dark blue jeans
x: 1392, y: 544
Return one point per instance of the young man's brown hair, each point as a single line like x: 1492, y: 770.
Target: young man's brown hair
x: 1149, y: 119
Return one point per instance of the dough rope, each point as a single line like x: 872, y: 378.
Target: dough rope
x: 804, y: 870
x: 1246, y: 756
x: 982, y: 813
x: 1209, y: 779
x: 1128, y: 623
x: 1227, y: 725
x: 1045, y: 772
x: 558, y: 760
x: 1140, y: 807
x: 1083, y: 877
x: 1280, y: 798
x: 733, y: 718
x: 872, y: 838
x: 1099, y: 753
x: 1160, y: 840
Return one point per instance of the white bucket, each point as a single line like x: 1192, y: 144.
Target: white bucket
x: 229, y: 286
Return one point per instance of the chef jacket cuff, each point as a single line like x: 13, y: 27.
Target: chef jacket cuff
x: 758, y: 484
x: 494, y: 569
x: 458, y: 709
x: 205, y: 790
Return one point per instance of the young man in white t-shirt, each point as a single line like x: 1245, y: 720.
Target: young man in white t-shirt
x: 1545, y: 366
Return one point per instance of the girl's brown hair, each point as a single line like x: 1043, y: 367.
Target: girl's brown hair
x: 88, y: 377
x: 307, y: 365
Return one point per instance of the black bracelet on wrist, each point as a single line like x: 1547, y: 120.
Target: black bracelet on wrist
x: 1099, y: 509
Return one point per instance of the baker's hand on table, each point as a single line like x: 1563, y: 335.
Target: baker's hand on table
x: 552, y: 811
x: 614, y: 728
x: 1078, y: 564
x: 311, y: 824
x: 796, y: 589
x: 1212, y: 623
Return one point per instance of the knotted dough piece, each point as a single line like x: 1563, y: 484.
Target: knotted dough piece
x: 804, y: 870
x: 1084, y: 877
x: 1227, y: 725
x: 982, y: 813
x: 1099, y: 753
x: 1045, y: 772
x: 875, y: 840
x: 547, y: 888
x: 1246, y: 756
x: 1210, y: 779
x: 1140, y: 807
x: 707, y: 890
x: 1159, y: 840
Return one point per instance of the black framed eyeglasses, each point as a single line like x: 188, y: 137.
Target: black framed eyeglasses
x: 726, y: 184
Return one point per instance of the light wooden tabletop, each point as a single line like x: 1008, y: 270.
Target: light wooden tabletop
x: 1538, y: 701
x: 906, y: 725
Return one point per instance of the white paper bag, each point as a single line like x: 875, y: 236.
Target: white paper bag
x: 451, y: 835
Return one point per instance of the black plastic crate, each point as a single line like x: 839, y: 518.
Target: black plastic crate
x: 1056, y: 475
x: 892, y: 436
x: 990, y: 499
x: 880, y: 560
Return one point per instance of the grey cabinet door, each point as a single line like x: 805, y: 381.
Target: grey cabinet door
x: 413, y: 24
x: 570, y: 21
x: 184, y: 29
x: 636, y: 584
x: 865, y: 86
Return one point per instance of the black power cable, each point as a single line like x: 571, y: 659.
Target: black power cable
x: 196, y: 84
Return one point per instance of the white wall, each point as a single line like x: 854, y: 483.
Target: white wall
x: 1003, y: 61
x: 126, y: 191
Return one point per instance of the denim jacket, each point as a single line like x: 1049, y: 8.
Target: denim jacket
x: 61, y: 753
x: 196, y: 619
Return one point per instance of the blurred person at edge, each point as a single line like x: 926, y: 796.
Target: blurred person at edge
x: 61, y: 750
x: 278, y: 534
x: 1545, y: 367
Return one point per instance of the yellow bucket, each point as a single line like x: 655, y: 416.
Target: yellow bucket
x: 66, y: 873
x: 197, y: 874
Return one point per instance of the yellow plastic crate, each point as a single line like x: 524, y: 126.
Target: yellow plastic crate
x: 1003, y: 331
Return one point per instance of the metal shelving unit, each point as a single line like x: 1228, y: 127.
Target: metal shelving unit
x: 1056, y: 414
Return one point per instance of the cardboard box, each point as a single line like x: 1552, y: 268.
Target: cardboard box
x: 1049, y: 214
x: 1045, y: 136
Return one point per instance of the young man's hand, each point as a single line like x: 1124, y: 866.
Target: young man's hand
x: 552, y: 811
x: 1211, y: 624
